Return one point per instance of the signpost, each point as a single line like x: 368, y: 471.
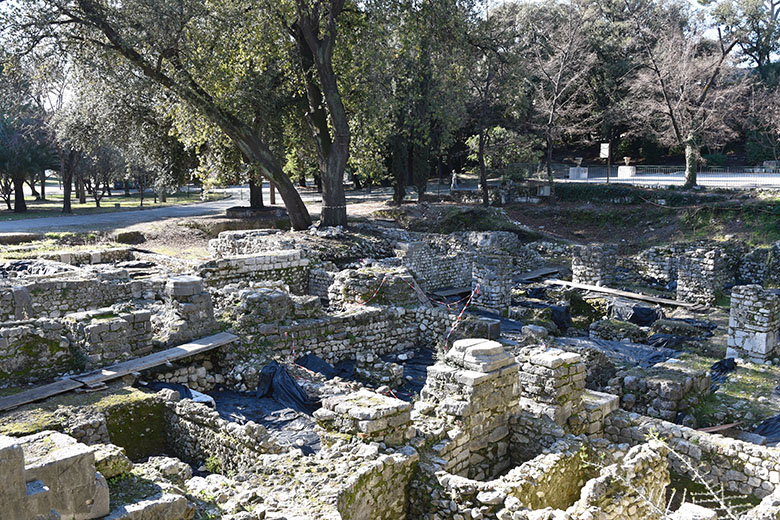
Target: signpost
x: 604, y: 153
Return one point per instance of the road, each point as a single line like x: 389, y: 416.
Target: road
x: 706, y: 179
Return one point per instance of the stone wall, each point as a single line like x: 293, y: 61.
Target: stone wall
x: 551, y: 383
x: 288, y: 266
x: 186, y: 312
x: 476, y: 388
x: 34, y: 350
x: 754, y: 322
x: 108, y: 335
x: 373, y: 285
x: 701, y: 275
x: 661, y: 391
x: 194, y: 433
x: 492, y: 273
x: 50, y: 471
x: 321, y: 277
x: 593, y: 265
x: 740, y: 466
x: 379, y: 491
x: 97, y: 256
x: 369, y: 416
x: 434, y: 268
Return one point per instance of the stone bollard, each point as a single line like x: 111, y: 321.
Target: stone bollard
x: 754, y: 322
x: 493, y: 274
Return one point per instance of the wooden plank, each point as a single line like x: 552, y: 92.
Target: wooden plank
x: 38, y: 393
x: 625, y: 294
x: 446, y: 293
x: 720, y: 427
x: 156, y: 359
x: 537, y: 273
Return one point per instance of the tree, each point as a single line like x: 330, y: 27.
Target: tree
x: 559, y: 60
x: 203, y: 54
x: 763, y: 129
x: 687, y: 88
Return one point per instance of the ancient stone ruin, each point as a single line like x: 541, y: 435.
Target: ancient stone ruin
x: 376, y: 373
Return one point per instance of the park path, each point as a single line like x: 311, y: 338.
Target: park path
x: 116, y: 220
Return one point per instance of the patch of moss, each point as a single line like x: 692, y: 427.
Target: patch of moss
x: 130, y: 488
x: 29, y: 423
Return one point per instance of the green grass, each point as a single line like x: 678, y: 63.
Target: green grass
x: 52, y: 206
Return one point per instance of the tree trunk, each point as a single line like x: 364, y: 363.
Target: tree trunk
x: 163, y: 196
x: 483, y: 169
x: 68, y: 158
x: 43, y: 185
x: 81, y: 190
x: 316, y: 55
x: 126, y: 186
x: 31, y: 184
x: 549, y: 156
x: 20, y: 206
x: 400, y: 159
x: 691, y: 156
x: 318, y: 182
x: 255, y: 194
x: 302, y: 181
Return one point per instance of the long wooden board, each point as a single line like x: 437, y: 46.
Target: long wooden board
x: 625, y: 294
x: 38, y: 393
x: 538, y: 273
x: 156, y: 359
x: 118, y: 370
x: 446, y: 293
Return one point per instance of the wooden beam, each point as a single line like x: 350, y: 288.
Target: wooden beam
x: 96, y: 378
x: 158, y: 358
x: 625, y: 294
x: 536, y: 274
x: 38, y: 393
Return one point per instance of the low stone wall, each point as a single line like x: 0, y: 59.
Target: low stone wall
x: 107, y: 335
x: 34, y: 350
x: 288, y: 266
x: 661, y: 391
x: 196, y: 433
x: 97, y: 256
x: 379, y: 491
x: 475, y: 388
x: 593, y: 265
x: 187, y: 312
x: 739, y: 466
x: 55, y: 298
x: 369, y: 416
x: 754, y: 322
x: 320, y: 279
x: 335, y: 337
x: 374, y: 285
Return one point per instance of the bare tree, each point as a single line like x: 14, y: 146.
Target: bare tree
x: 559, y: 59
x: 687, y: 88
x: 764, y: 111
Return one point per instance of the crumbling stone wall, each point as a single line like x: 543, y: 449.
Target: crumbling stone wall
x: 475, y: 387
x: 370, y: 416
x: 379, y: 491
x: 288, y: 266
x: 492, y: 273
x: 701, y: 275
x: 34, y: 350
x: 661, y: 391
x: 98, y: 256
x: 186, y: 312
x: 759, y: 266
x: 194, y: 433
x: 593, y: 265
x: 740, y: 466
x: 321, y: 277
x: 373, y: 285
x: 754, y: 322
x: 106, y: 335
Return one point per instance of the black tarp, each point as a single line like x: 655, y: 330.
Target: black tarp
x: 667, y: 341
x: 277, y: 383
x: 770, y: 429
x: 561, y: 315
x: 629, y: 353
x: 507, y: 324
x: 719, y: 371
x: 634, y: 312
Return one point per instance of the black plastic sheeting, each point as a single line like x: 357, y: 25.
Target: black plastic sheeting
x: 275, y: 382
x: 667, y: 341
x: 634, y: 312
x: 286, y: 426
x: 770, y: 429
x: 629, y: 353
x: 719, y: 371
x: 156, y: 386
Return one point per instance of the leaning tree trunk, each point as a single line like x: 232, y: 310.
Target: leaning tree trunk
x: 20, y: 206
x: 691, y: 156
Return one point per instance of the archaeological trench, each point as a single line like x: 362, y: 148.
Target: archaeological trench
x: 377, y: 373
